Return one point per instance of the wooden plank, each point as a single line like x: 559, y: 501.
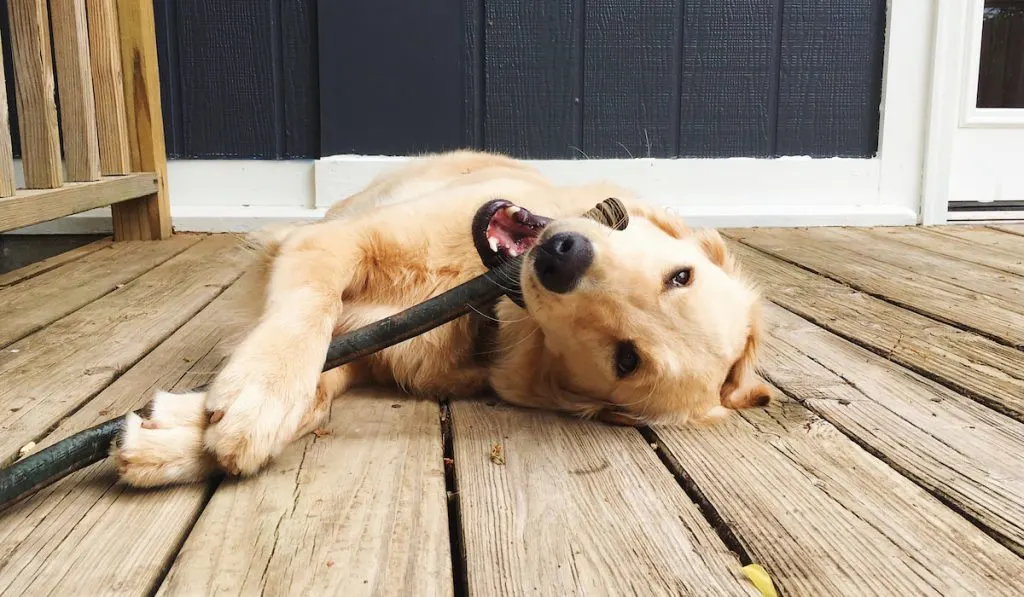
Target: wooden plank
x: 33, y: 83
x: 991, y: 373
x: 963, y: 453
x: 29, y: 207
x: 41, y: 267
x: 533, y: 80
x: 74, y: 79
x: 1000, y: 238
x: 359, y: 511
x: 49, y: 374
x: 1017, y: 229
x: 149, y: 217
x: 841, y: 43
x: 88, y: 534
x: 7, y: 182
x: 577, y: 508
x: 108, y: 84
x: 36, y: 303
x: 728, y: 81
x: 631, y: 68
x: 1005, y: 290
x: 826, y: 518
x: 933, y: 297
x: 956, y: 246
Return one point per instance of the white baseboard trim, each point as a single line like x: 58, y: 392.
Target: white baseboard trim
x: 230, y: 218
x: 243, y: 195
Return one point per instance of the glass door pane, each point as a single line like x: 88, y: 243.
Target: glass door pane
x: 1001, y: 68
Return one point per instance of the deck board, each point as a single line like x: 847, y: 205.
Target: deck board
x: 962, y: 452
x: 359, y: 511
x: 36, y: 302
x: 41, y: 267
x: 87, y: 533
x: 827, y: 518
x: 990, y: 372
x: 49, y: 374
x: 1017, y: 229
x: 939, y: 299
x: 999, y: 254
x: 577, y: 508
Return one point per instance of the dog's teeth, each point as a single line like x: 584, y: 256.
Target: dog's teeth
x: 493, y: 242
x: 513, y: 253
x: 512, y: 209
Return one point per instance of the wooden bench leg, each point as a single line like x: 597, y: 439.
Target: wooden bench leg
x: 149, y: 217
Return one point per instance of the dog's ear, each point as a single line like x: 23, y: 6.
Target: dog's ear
x: 743, y: 388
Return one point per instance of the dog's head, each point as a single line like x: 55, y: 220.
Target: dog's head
x: 649, y: 323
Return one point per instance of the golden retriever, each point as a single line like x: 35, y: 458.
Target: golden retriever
x: 653, y: 323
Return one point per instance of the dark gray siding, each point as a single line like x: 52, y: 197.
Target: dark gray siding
x: 620, y: 78
x: 280, y: 79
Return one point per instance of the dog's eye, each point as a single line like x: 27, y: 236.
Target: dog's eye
x: 682, y: 277
x: 626, y: 359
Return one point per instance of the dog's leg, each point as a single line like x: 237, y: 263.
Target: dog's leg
x: 257, y: 402
x: 165, y: 445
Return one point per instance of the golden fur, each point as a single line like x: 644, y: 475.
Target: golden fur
x: 406, y: 238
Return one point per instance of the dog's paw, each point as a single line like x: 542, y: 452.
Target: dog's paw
x: 165, y: 446
x: 249, y: 424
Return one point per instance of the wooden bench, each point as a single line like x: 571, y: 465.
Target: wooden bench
x: 105, y: 58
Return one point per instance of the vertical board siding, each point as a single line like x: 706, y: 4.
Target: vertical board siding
x: 240, y: 77
x: 829, y: 86
x: 280, y: 79
x: 729, y: 57
x: 532, y: 77
x: 391, y: 76
x: 631, y: 78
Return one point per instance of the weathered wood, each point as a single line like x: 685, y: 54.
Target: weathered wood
x: 35, y: 303
x: 953, y: 245
x: 90, y: 535
x: 149, y: 217
x: 41, y: 267
x: 34, y: 91
x: 1004, y: 290
x: 74, y: 80
x: 361, y: 510
x: 50, y: 373
x: 1001, y: 238
x: 577, y: 508
x: 990, y: 372
x: 930, y: 296
x: 108, y: 83
x: 960, y: 451
x: 29, y: 207
x: 7, y: 182
x: 1017, y: 229
x: 824, y: 517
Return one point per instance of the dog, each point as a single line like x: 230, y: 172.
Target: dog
x: 650, y: 324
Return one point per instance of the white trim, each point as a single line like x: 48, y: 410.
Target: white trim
x: 947, y: 46
x: 971, y: 116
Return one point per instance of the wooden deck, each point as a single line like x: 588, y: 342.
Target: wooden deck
x: 892, y: 464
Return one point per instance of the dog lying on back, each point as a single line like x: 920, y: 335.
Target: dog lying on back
x: 652, y: 323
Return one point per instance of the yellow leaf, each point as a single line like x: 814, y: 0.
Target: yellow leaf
x: 763, y: 582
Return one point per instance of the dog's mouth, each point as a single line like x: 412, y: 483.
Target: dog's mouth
x: 503, y: 230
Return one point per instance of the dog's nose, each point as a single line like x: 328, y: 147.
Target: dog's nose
x: 562, y: 260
